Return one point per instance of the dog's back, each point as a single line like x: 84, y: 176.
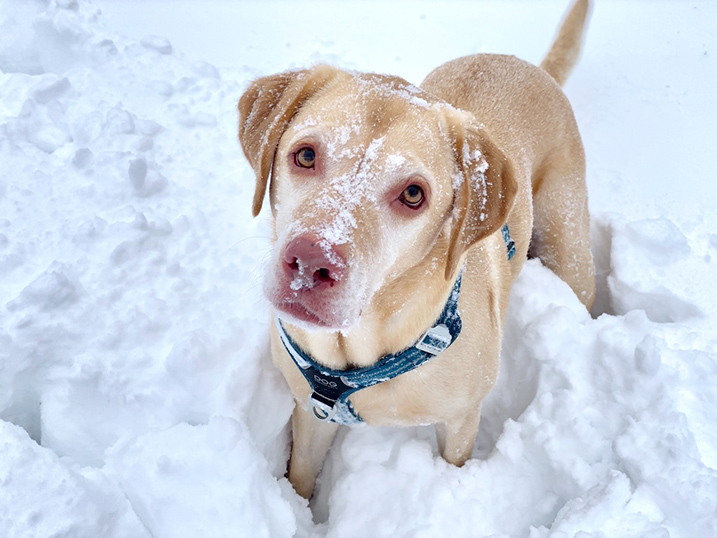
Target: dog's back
x: 530, y: 118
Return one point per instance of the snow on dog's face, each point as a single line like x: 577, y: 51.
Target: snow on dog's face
x: 368, y: 178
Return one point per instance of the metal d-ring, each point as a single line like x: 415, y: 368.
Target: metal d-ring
x: 321, y: 410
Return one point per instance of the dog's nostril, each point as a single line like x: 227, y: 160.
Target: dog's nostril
x: 323, y: 275
x: 294, y: 265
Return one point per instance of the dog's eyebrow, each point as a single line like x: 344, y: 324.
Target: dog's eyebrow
x: 395, y: 160
x: 309, y: 121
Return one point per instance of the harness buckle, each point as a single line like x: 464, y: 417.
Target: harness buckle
x: 322, y: 408
x: 436, y: 340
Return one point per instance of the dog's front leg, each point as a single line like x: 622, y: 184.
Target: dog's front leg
x: 312, y: 440
x: 456, y: 437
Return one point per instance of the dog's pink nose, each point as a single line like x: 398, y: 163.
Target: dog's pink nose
x: 311, y: 264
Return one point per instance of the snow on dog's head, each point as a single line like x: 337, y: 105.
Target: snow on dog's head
x: 372, y: 178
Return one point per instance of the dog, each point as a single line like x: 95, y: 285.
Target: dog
x: 401, y: 217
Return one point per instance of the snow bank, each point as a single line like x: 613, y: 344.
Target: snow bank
x: 136, y: 392
x: 43, y: 495
x: 163, y: 474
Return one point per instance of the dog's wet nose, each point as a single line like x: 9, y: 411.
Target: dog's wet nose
x: 311, y: 264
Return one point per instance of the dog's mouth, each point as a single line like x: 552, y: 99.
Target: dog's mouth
x: 315, y: 313
x: 298, y: 314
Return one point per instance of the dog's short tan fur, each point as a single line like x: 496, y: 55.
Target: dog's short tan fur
x: 372, y: 135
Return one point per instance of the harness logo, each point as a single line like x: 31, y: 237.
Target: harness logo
x: 325, y: 382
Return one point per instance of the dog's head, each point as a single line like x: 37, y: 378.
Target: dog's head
x: 371, y: 178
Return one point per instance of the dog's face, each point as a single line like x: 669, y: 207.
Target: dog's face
x: 362, y: 187
x: 371, y: 177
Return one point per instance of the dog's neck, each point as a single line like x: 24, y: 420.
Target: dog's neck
x: 399, y: 313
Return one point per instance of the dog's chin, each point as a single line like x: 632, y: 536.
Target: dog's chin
x: 298, y: 315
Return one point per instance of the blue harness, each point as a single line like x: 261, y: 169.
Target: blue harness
x: 332, y: 388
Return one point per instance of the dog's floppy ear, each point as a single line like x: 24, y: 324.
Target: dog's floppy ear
x: 484, y: 188
x: 265, y: 110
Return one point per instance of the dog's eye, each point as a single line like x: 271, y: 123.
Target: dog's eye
x: 305, y: 158
x: 412, y: 196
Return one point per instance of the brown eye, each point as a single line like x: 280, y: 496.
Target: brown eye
x: 305, y: 157
x: 412, y: 196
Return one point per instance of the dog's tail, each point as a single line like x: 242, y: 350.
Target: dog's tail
x: 565, y: 50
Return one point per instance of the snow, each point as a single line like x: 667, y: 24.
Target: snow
x: 137, y: 397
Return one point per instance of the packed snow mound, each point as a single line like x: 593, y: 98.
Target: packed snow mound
x: 160, y: 472
x: 137, y: 396
x: 43, y: 495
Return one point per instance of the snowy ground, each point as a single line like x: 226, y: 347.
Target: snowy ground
x: 136, y: 394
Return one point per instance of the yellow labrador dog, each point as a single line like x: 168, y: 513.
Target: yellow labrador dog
x: 402, y: 215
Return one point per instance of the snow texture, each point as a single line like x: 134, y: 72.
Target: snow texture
x: 137, y: 397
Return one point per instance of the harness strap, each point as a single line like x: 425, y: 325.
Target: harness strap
x: 509, y: 243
